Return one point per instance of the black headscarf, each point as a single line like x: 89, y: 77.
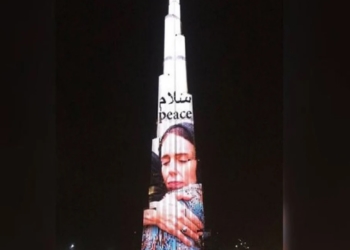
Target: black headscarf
x: 157, y: 183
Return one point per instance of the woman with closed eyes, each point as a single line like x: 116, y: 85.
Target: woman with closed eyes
x: 178, y: 217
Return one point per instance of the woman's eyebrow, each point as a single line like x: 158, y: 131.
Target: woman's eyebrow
x: 181, y: 154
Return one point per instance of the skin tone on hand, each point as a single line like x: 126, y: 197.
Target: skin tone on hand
x: 178, y: 170
x: 171, y: 216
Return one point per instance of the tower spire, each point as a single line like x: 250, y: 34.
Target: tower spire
x: 174, y: 48
x: 174, y: 77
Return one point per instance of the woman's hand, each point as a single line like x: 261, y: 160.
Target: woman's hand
x: 173, y: 217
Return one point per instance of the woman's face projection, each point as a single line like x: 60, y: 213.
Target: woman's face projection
x: 178, y: 162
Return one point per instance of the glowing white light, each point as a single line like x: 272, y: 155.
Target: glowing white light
x: 72, y: 246
x: 236, y: 246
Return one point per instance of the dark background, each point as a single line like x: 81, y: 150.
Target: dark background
x: 109, y: 57
x: 315, y: 124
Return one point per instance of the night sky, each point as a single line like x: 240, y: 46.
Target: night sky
x: 109, y: 58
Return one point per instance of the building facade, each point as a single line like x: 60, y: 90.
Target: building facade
x: 174, y: 219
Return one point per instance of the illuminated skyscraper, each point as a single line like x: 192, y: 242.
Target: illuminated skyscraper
x: 175, y: 217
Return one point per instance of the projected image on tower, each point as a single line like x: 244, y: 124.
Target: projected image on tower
x: 176, y: 220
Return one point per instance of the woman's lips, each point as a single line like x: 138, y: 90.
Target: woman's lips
x: 175, y: 184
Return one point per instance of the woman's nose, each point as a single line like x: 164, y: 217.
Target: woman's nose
x: 172, y: 167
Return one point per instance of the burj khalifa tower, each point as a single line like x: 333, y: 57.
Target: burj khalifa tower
x: 174, y: 219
